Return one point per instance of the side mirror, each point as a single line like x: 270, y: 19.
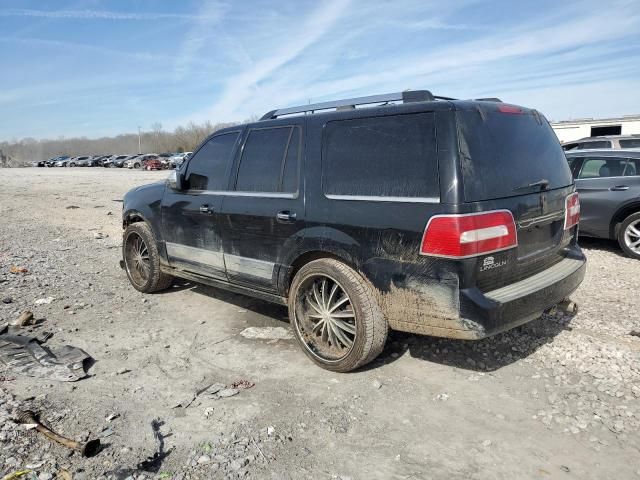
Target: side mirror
x: 174, y: 180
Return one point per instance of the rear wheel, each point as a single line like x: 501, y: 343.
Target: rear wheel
x: 629, y: 236
x: 136, y: 165
x: 141, y: 259
x: 335, y: 316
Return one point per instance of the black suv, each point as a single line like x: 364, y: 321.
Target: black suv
x: 427, y: 215
x: 608, y: 182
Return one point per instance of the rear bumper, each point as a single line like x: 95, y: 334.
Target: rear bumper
x: 440, y: 308
x: 507, y: 307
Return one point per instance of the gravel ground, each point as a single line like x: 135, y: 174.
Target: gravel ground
x: 556, y: 398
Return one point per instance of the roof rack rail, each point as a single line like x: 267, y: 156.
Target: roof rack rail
x: 489, y: 99
x: 407, y: 96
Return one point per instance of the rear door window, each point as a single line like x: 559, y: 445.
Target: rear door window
x: 633, y: 168
x: 630, y: 143
x: 502, y: 153
x: 598, y: 144
x: 603, y: 167
x: 266, y: 154
x: 391, y: 156
x: 207, y: 170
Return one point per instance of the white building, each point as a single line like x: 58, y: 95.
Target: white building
x: 570, y: 130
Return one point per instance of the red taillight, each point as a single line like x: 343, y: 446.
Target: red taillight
x: 572, y: 211
x: 460, y: 236
x: 509, y: 109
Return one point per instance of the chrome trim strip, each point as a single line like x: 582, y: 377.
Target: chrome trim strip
x: 197, y: 255
x: 367, y: 198
x: 536, y: 282
x: 244, y: 194
x: 249, y: 266
x: 543, y: 218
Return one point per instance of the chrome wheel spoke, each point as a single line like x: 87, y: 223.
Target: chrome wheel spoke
x: 327, y: 320
x: 346, y: 326
x: 339, y: 303
x: 633, y: 231
x: 342, y: 337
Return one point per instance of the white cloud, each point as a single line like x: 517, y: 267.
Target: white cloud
x: 94, y: 14
x: 196, y: 38
x: 309, y: 30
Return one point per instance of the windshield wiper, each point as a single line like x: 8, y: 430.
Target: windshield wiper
x: 543, y: 184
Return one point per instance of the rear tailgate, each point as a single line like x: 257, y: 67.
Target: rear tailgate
x: 511, y: 159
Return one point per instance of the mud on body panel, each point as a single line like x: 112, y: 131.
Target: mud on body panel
x: 416, y: 299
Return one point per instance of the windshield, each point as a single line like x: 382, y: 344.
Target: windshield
x: 503, y: 153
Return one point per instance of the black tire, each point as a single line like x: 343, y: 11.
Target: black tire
x: 627, y: 236
x: 154, y: 280
x: 136, y: 165
x: 371, y: 327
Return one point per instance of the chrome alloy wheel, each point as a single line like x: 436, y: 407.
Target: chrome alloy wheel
x: 632, y: 236
x: 325, y: 318
x: 137, y: 259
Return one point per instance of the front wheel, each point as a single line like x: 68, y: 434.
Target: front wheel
x: 136, y: 165
x: 629, y: 236
x: 335, y: 316
x: 141, y: 259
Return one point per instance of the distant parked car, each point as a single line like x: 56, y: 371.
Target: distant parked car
x: 608, y: 182
x: 139, y: 160
x: 117, y: 161
x: 615, y: 142
x: 153, y: 163
x: 178, y: 159
x: 52, y: 161
x: 77, y: 161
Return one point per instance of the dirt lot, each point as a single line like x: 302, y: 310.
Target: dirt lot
x: 557, y: 398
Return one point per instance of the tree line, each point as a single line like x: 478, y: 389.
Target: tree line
x: 157, y: 140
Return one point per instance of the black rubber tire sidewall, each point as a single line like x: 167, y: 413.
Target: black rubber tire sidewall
x: 157, y: 279
x: 371, y: 326
x: 631, y: 218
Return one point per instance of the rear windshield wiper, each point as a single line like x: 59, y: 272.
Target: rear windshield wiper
x: 543, y: 184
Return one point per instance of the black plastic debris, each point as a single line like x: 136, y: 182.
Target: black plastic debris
x: 25, y: 355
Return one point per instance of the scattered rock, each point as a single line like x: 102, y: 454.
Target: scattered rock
x: 7, y: 300
x: 44, y: 301
x: 376, y: 384
x: 25, y: 318
x: 267, y: 333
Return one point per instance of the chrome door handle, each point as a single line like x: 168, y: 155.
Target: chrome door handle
x: 205, y: 209
x: 285, y: 216
x: 619, y: 188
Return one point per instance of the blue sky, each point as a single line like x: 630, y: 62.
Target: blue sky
x: 93, y: 68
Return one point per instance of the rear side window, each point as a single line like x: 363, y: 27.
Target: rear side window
x: 630, y: 143
x: 598, y: 144
x: 603, y: 167
x: 502, y: 153
x: 266, y: 155
x: 633, y: 168
x: 207, y: 168
x: 392, y: 156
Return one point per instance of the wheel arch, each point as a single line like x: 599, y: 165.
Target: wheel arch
x: 622, y: 213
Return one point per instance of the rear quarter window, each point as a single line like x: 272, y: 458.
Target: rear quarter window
x: 391, y: 156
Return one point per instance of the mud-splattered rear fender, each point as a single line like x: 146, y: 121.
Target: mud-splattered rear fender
x: 420, y: 297
x: 313, y: 243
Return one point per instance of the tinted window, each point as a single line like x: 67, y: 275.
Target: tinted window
x: 290, y: 168
x: 501, y: 153
x: 602, y: 167
x: 392, y: 156
x: 630, y: 143
x: 207, y: 169
x: 599, y: 144
x: 261, y: 162
x: 633, y: 168
x: 266, y: 164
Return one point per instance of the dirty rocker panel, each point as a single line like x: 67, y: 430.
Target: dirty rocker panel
x: 220, y: 261
x: 249, y: 266
x: 195, y: 255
